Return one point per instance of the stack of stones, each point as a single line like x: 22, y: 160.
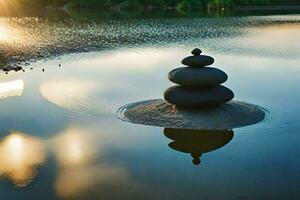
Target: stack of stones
x: 198, y: 86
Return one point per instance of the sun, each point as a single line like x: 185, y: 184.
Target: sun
x: 6, y: 32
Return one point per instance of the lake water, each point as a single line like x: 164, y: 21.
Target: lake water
x: 60, y: 137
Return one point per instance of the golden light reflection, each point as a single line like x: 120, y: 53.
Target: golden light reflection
x: 11, y: 88
x: 92, y: 179
x: 282, y: 37
x: 74, y: 147
x: 20, y: 155
x: 80, y: 172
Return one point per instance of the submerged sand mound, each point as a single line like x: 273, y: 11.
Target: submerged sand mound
x: 160, y: 113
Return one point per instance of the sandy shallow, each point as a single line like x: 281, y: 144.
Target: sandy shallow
x: 160, y: 113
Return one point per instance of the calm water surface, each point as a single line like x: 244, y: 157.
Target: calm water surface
x: 60, y: 137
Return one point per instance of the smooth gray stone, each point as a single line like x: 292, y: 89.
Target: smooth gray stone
x: 198, y: 61
x: 198, y: 98
x: 197, y: 77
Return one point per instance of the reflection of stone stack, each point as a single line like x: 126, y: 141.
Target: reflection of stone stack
x: 198, y: 85
x: 197, y: 142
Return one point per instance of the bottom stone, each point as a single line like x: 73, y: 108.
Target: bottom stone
x: 201, y: 98
x: 160, y: 113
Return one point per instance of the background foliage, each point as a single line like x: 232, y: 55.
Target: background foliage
x: 157, y: 3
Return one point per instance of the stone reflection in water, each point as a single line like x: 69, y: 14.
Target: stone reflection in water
x: 20, y: 155
x: 197, y: 142
x: 81, y: 174
x: 11, y: 88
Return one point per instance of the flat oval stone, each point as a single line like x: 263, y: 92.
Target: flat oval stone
x: 198, y: 98
x: 197, y: 77
x: 198, y: 61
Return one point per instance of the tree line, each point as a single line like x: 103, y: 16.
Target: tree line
x: 158, y: 3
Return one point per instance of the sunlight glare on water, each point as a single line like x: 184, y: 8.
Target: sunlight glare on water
x: 20, y: 155
x: 74, y: 147
x: 11, y: 88
x: 8, y: 34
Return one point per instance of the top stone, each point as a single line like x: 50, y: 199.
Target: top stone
x: 196, y: 52
x: 197, y: 60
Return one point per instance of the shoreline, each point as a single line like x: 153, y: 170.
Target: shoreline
x: 267, y: 8
x: 153, y: 8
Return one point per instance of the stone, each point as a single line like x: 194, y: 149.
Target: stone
x: 197, y: 77
x: 197, y: 102
x: 6, y: 69
x: 17, y: 68
x: 198, y: 61
x: 198, y: 98
x: 196, y: 51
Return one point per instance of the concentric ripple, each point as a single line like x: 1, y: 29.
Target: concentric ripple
x: 73, y: 95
